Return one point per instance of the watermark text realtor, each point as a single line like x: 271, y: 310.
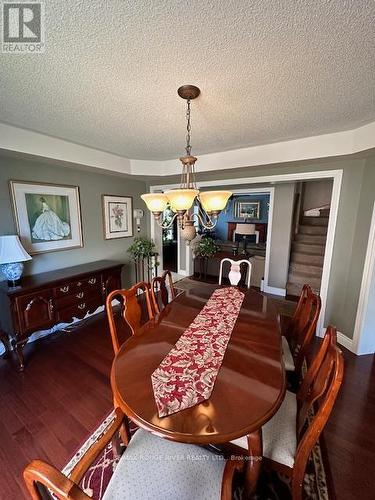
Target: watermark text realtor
x: 22, y: 30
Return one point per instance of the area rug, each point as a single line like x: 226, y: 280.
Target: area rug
x: 272, y: 486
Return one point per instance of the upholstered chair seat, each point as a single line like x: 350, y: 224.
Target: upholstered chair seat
x: 279, y: 434
x: 287, y: 355
x: 154, y: 468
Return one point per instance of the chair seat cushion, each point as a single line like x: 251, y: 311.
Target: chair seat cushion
x: 287, y: 355
x: 279, y: 434
x: 155, y: 468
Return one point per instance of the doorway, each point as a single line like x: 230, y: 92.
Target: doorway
x: 169, y: 241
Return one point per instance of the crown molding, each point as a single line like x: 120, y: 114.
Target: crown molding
x: 334, y: 144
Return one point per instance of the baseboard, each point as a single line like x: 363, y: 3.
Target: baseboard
x: 345, y: 341
x: 273, y: 290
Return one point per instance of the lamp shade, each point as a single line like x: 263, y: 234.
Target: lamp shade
x: 156, y: 202
x: 214, y: 201
x: 11, y: 250
x: 245, y: 229
x: 181, y: 199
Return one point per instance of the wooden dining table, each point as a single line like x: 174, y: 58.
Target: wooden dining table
x: 250, y: 384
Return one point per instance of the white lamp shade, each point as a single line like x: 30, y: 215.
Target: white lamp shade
x: 11, y: 250
x: 214, y: 201
x: 181, y: 199
x: 245, y: 229
x: 156, y: 202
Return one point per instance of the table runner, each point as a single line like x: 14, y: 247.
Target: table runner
x: 187, y: 375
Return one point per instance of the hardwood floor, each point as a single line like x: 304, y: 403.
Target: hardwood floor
x: 48, y: 411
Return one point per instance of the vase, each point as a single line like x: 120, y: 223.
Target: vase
x: 13, y: 272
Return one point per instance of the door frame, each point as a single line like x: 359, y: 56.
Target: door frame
x: 368, y: 272
x: 336, y: 175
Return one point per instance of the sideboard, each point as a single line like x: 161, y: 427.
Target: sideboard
x: 46, y: 299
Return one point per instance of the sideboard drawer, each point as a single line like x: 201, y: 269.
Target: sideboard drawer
x: 83, y: 295
x: 78, y: 310
x: 35, y: 311
x: 93, y: 282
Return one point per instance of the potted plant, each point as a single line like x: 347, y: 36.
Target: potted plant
x: 205, y: 249
x: 143, y: 251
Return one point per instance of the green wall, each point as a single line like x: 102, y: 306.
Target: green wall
x: 353, y: 224
x: 92, y: 186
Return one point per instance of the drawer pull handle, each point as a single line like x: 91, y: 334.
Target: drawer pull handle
x: 81, y: 306
x: 50, y: 306
x: 64, y: 289
x: 92, y: 281
x: 80, y: 295
x: 79, y: 283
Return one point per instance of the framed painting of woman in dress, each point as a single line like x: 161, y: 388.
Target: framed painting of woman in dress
x: 48, y: 216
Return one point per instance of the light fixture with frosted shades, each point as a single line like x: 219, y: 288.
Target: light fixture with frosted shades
x: 187, y: 202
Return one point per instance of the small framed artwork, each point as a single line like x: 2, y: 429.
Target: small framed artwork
x: 117, y: 216
x: 48, y: 216
x: 247, y: 210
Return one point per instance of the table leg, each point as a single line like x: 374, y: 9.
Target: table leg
x: 253, y: 466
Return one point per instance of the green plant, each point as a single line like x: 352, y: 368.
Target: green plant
x: 205, y: 248
x: 141, y: 248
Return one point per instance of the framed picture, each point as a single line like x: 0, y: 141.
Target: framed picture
x: 117, y: 216
x: 247, y: 209
x: 48, y: 216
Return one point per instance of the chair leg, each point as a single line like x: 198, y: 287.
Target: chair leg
x: 253, y: 466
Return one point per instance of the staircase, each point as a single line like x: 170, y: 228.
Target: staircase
x: 307, y: 254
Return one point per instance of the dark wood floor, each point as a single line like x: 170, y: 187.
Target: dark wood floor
x: 50, y: 409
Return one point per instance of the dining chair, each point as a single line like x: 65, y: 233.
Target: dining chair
x: 150, y: 467
x: 135, y: 300
x: 162, y: 291
x: 291, y: 434
x: 235, y: 274
x: 302, y: 331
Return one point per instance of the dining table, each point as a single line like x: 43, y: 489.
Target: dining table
x: 249, y: 388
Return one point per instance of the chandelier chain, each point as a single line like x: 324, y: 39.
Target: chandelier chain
x: 188, y: 129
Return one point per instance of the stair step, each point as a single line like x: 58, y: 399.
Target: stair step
x: 307, y: 258
x: 308, y: 248
x: 317, y: 239
x: 295, y: 289
x: 302, y: 278
x: 308, y: 229
x: 303, y: 268
x: 324, y: 212
x: 315, y: 221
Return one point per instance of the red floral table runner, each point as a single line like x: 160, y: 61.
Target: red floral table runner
x: 187, y: 375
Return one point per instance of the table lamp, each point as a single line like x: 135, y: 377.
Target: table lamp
x: 12, y: 256
x: 244, y: 230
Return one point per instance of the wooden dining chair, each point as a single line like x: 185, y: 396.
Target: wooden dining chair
x: 302, y: 331
x: 135, y: 300
x: 291, y: 434
x: 149, y: 467
x: 162, y: 291
x: 235, y: 274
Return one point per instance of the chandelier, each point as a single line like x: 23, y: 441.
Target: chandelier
x: 187, y: 203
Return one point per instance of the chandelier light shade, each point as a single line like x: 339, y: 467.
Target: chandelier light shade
x: 156, y: 202
x: 207, y: 205
x: 214, y: 201
x: 181, y: 199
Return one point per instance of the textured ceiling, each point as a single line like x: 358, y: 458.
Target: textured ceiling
x: 269, y: 70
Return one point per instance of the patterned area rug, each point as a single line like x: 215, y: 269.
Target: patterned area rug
x: 272, y: 486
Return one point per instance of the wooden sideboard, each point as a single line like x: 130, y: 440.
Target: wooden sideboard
x: 46, y: 299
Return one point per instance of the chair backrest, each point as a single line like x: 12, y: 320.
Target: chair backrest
x: 322, y: 392
x: 134, y: 300
x: 330, y: 338
x: 235, y: 271
x: 306, y: 326
x: 162, y: 291
x: 297, y: 319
